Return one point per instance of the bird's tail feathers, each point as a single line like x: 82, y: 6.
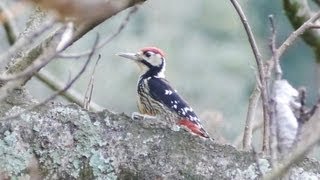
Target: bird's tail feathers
x: 194, y: 128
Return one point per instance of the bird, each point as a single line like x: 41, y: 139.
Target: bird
x: 156, y: 97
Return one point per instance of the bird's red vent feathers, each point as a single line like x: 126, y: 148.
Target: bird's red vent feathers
x: 193, y: 127
x: 153, y: 49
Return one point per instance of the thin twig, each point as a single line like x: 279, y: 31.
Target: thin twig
x: 313, y: 110
x: 300, y: 117
x: 71, y: 95
x: 273, y: 135
x: 291, y: 38
x: 9, y: 27
x: 302, y: 100
x: 132, y: 11
x: 48, y: 79
x: 111, y: 8
x: 39, y: 63
x: 304, y: 112
x: 260, y: 67
x: 89, y: 90
x: 68, y: 85
x: 315, y: 26
x: 252, y: 107
x: 84, y: 27
x: 278, y: 75
x: 275, y: 58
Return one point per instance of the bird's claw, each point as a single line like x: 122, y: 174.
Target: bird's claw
x: 175, y: 128
x: 136, y: 115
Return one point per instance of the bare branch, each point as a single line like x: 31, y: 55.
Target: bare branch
x: 304, y: 112
x: 273, y: 134
x: 252, y: 107
x: 22, y: 65
x: 282, y: 168
x: 89, y: 90
x: 278, y: 75
x: 71, y: 95
x: 47, y: 78
x: 108, y: 39
x: 292, y: 38
x: 68, y: 85
x: 111, y: 8
x: 25, y: 69
x: 8, y: 24
x: 278, y: 71
x: 315, y: 26
x: 260, y: 67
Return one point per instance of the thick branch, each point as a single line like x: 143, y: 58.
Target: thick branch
x: 67, y: 142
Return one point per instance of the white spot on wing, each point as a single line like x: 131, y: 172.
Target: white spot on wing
x: 168, y: 92
x: 188, y: 109
x: 194, y: 119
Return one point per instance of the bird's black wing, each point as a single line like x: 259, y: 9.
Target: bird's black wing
x: 162, y: 92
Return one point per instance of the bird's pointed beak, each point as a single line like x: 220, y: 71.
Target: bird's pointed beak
x: 132, y: 56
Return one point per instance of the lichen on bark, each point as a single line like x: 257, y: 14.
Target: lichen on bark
x: 68, y: 142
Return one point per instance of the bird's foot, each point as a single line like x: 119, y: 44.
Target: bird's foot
x: 175, y: 127
x: 136, y: 116
x: 148, y: 121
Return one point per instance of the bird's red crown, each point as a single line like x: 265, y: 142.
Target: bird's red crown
x: 153, y: 49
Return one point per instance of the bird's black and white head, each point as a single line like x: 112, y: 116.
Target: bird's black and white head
x: 150, y: 60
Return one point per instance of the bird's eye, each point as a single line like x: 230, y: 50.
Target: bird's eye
x: 147, y: 54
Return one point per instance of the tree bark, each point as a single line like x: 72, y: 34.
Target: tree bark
x: 59, y: 141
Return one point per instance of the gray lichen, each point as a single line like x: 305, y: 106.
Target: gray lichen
x: 300, y: 173
x: 70, y: 136
x: 14, y: 156
x: 71, y: 143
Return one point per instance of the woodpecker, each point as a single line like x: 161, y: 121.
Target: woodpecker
x: 156, y: 97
